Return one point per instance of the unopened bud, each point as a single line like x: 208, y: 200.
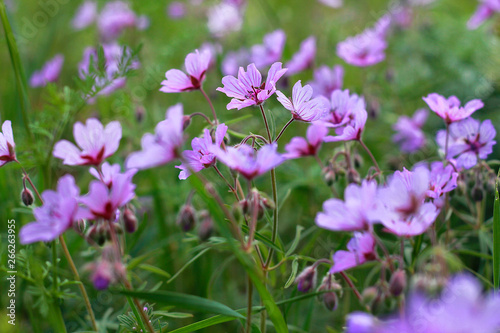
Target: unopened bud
x: 306, y: 279
x: 27, y: 197
x: 186, y: 121
x: 102, y: 276
x: 398, y: 283
x: 206, y: 226
x: 329, y: 176
x: 358, y: 161
x: 139, y: 113
x: 353, y: 177
x: 330, y: 300
x: 186, y: 218
x: 369, y: 295
x: 373, y: 109
x: 129, y: 220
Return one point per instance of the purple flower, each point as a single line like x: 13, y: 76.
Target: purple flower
x: 299, y: 146
x: 7, y: 144
x: 49, y: 72
x: 301, y: 105
x: 404, y: 211
x: 462, y: 298
x: 247, y: 161
x: 365, y: 49
x: 234, y: 60
x: 196, y: 66
x: 161, y: 147
x: 343, y: 108
x: 332, y: 3
x: 85, y: 15
x: 58, y: 213
x: 361, y: 248
x: 95, y: 143
x: 304, y: 58
x: 355, y: 213
x: 224, y: 18
x: 469, y: 140
x: 410, y: 136
x: 108, y: 173
x: 382, y: 26
x: 353, y: 130
x: 449, y: 109
x: 201, y: 156
x: 484, y: 11
x: 115, y: 17
x: 247, y: 89
x: 263, y: 55
x: 176, y: 10
x: 443, y: 179
x: 327, y: 80
x: 103, y: 201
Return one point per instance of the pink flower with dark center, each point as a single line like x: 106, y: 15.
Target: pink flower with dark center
x: 270, y: 51
x: 343, y: 108
x: 95, y: 143
x: 352, y: 130
x: 361, y: 248
x: 248, y: 89
x: 301, y: 105
x: 443, y: 179
x: 107, y: 173
x: 201, y: 156
x: 161, y: 147
x: 49, y: 72
x: 248, y: 162
x: 196, y: 66
x: 354, y: 213
x: 299, y: 146
x: 450, y: 109
x: 304, y: 58
x: 103, y: 201
x: 7, y: 144
x: 58, y: 213
x: 327, y: 80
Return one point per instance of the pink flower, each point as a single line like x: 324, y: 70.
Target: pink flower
x: 301, y: 105
x: 247, y: 89
x: 115, y: 17
x: 108, y: 173
x: 49, y: 72
x: 327, y: 80
x: 409, y: 134
x: 299, y: 146
x: 224, y: 18
x: 7, y: 144
x: 352, y: 130
x: 58, y: 213
x: 443, y: 179
x: 343, y: 107
x: 95, y: 143
x: 361, y: 249
x: 234, y: 60
x: 268, y: 53
x: 365, y: 49
x: 484, y: 11
x: 85, y: 15
x: 354, y: 213
x: 196, y: 66
x: 103, y: 201
x: 201, y: 156
x: 449, y: 109
x: 161, y: 147
x: 247, y: 161
x: 176, y: 10
x: 304, y: 58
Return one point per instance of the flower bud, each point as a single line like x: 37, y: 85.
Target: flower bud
x: 329, y: 284
x: 398, y: 283
x: 353, y: 177
x: 358, y: 161
x: 139, y: 113
x: 102, y: 276
x: 330, y: 300
x: 27, y: 197
x: 369, y: 295
x: 329, y: 176
x: 206, y: 227
x: 129, y: 220
x: 307, y: 279
x: 186, y: 121
x: 373, y: 109
x: 186, y: 218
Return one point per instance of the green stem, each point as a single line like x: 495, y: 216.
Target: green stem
x: 249, y: 305
x: 266, y: 124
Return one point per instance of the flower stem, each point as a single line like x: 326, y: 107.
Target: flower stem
x: 371, y: 155
x: 211, y: 105
x: 266, y: 123
x: 201, y: 115
x: 249, y: 305
x: 353, y: 287
x: 283, y: 129
x: 227, y: 183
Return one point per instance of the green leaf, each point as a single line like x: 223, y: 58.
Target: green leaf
x: 291, y: 279
x: 185, y: 301
x: 187, y: 264
x: 155, y: 270
x: 496, y: 238
x: 263, y: 239
x: 295, y: 241
x: 178, y: 315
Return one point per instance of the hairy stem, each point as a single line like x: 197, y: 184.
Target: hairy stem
x: 375, y: 164
x: 211, y: 105
x: 283, y: 129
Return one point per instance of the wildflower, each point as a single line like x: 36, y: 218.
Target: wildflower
x: 108, y: 173
x: 443, y: 179
x: 196, y: 66
x: 304, y: 58
x: 469, y: 140
x: 103, y: 202
x: 270, y: 51
x: 7, y: 144
x: 247, y: 161
x: 299, y: 146
x: 115, y: 17
x: 85, y: 15
x: 352, y: 130
x: 58, y: 213
x: 96, y: 143
x: 365, y: 49
x: 355, y: 212
x: 176, y: 10
x: 449, y: 109
x: 224, y: 18
x: 410, y: 136
x: 327, y: 80
x: 201, y: 156
x: 248, y: 88
x: 49, y: 72
x: 301, y: 105
x: 361, y: 248
x: 382, y: 26
x: 234, y: 60
x: 344, y: 106
x: 484, y: 11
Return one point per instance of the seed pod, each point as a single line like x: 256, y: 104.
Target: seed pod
x: 27, y: 197
x: 398, y: 283
x: 187, y: 218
